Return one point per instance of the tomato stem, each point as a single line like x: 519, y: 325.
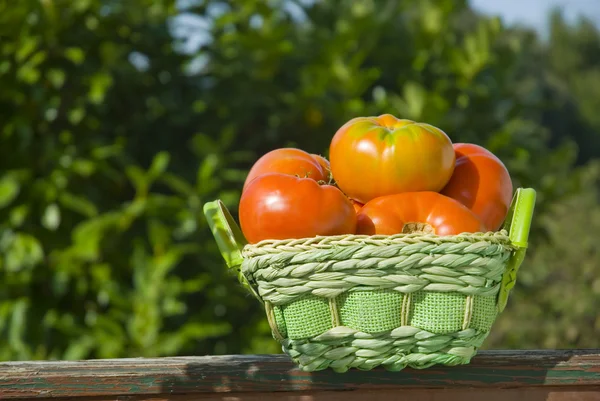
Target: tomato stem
x: 415, y: 227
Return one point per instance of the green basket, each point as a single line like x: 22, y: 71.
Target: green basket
x: 356, y: 301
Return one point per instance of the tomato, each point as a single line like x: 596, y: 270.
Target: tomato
x: 281, y: 206
x: 377, y: 156
x: 288, y: 161
x: 482, y: 183
x: 324, y: 165
x: 357, y: 205
x: 428, y: 212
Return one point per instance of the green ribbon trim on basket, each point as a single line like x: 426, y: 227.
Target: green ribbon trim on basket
x: 517, y: 223
x: 229, y: 238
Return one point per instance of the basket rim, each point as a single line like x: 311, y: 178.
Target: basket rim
x: 316, y: 243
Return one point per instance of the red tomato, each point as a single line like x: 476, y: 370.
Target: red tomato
x: 288, y: 161
x: 407, y: 212
x: 377, y: 156
x: 482, y: 183
x: 281, y: 206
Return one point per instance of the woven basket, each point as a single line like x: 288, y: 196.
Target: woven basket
x: 356, y: 301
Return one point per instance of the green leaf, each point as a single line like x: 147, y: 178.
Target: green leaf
x: 134, y: 209
x: 9, y: 190
x: 138, y: 178
x: 80, y: 348
x: 4, y: 67
x: 83, y: 167
x: 192, y: 332
x: 203, y: 144
x: 158, y: 234
x: 24, y: 252
x: 414, y: 95
x: 206, y: 172
x: 18, y: 328
x: 159, y: 164
x: 28, y: 74
x: 56, y: 77
x: 75, y: 54
x: 26, y: 48
x: 88, y: 234
x: 76, y: 115
x: 199, y: 106
x: 105, y: 152
x: 77, y: 204
x: 227, y: 136
x: 100, y: 83
x: 18, y: 215
x: 177, y: 184
x: 51, y: 217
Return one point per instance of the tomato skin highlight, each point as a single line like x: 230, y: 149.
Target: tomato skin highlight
x: 376, y: 156
x: 482, y: 183
x: 288, y: 161
x: 278, y: 206
x: 394, y: 214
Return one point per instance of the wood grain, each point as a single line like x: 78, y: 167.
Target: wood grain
x: 217, y: 377
x: 493, y: 394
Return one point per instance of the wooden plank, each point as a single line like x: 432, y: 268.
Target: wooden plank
x: 535, y: 394
x: 550, y: 393
x: 576, y: 369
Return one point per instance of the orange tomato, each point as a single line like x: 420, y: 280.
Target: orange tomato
x: 426, y: 211
x: 281, y: 206
x: 377, y: 156
x: 288, y: 161
x: 322, y: 161
x: 324, y: 164
x: 357, y: 205
x: 482, y: 183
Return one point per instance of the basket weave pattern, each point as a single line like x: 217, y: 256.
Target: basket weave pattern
x: 355, y: 301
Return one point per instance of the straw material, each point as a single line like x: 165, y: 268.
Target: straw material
x: 356, y: 301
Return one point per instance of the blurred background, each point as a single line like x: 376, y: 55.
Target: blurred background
x: 119, y: 119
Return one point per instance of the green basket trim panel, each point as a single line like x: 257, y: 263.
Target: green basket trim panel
x: 280, y: 320
x: 484, y: 313
x: 307, y: 317
x: 437, y: 312
x: 381, y: 311
x: 371, y: 311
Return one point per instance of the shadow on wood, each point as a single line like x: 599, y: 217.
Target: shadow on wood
x: 498, y: 369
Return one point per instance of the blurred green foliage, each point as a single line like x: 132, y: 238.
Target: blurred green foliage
x: 119, y: 119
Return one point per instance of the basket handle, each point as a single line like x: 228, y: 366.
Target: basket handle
x: 229, y: 238
x: 518, y: 224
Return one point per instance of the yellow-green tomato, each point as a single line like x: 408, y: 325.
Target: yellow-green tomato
x: 384, y: 155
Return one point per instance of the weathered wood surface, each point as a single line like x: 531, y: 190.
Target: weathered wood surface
x: 527, y: 375
x: 475, y: 394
